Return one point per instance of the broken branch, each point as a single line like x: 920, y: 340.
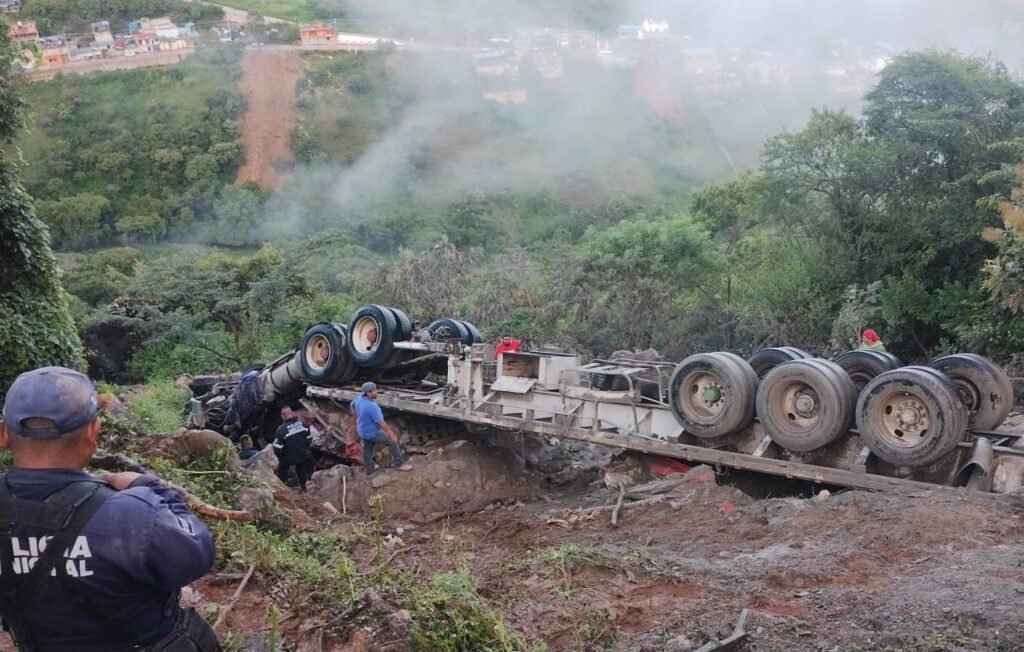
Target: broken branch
x: 124, y: 463
x: 222, y: 616
x: 618, y: 505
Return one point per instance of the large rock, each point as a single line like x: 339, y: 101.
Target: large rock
x: 256, y: 500
x: 186, y: 446
x: 264, y: 467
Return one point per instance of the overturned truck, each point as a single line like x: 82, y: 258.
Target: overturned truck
x: 861, y: 419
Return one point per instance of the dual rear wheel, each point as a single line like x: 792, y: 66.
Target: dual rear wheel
x: 907, y: 416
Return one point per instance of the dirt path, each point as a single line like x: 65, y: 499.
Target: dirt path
x: 268, y: 85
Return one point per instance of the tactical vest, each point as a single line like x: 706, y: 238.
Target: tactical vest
x: 63, y: 515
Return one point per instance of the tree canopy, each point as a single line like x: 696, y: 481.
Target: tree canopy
x: 36, y: 327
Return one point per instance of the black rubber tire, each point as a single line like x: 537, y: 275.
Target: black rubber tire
x: 745, y: 369
x: 404, y: 331
x: 828, y: 419
x: 984, y: 388
x: 346, y: 369
x: 362, y: 353
x: 896, y: 362
x: 474, y: 333
x: 454, y: 327
x: 863, y: 366
x: 883, y: 429
x: 732, y: 376
x: 319, y: 339
x: 799, y: 352
x: 767, y: 359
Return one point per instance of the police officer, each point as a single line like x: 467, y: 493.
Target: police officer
x: 89, y: 563
x: 291, y: 445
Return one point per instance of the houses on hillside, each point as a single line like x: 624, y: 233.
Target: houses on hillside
x: 316, y: 34
x: 23, y: 31
x: 144, y: 35
x: 10, y: 6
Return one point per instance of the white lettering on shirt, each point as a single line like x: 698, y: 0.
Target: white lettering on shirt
x: 28, y: 549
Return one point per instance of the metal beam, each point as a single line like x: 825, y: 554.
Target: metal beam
x: 785, y: 468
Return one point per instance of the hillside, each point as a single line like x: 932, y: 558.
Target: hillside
x: 133, y: 156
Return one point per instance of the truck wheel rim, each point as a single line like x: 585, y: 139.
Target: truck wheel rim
x: 800, y: 403
x: 969, y: 395
x: 360, y: 334
x: 702, y: 395
x: 905, y: 420
x: 318, y: 352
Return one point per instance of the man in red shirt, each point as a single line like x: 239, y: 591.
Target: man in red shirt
x: 507, y: 343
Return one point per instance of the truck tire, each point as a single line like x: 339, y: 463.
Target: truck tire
x: 403, y: 332
x: 800, y: 352
x: 806, y: 404
x: 863, y: 366
x: 767, y: 359
x: 712, y: 394
x: 984, y: 388
x: 347, y: 369
x: 911, y: 416
x: 474, y: 334
x: 364, y: 352
x: 321, y: 352
x: 450, y: 329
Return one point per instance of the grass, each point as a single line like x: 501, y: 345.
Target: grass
x: 318, y: 569
x: 567, y: 557
x: 450, y: 615
x: 159, y: 405
x: 298, y: 11
x: 565, y: 560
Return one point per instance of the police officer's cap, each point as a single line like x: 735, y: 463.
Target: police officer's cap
x: 64, y: 397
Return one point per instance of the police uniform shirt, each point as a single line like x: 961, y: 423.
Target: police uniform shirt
x: 130, y: 561
x: 291, y: 442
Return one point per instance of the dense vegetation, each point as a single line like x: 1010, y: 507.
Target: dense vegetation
x: 415, y: 192
x: 140, y: 155
x: 35, y: 324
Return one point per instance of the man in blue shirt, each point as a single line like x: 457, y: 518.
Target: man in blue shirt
x: 89, y: 563
x: 247, y: 451
x: 369, y: 423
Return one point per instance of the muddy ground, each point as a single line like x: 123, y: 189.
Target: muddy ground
x: 847, y: 570
x: 268, y: 85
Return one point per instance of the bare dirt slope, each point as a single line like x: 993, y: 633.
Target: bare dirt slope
x: 268, y: 85
x: 854, y: 571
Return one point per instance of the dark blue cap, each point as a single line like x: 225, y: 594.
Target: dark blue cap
x: 59, y: 395
x: 369, y: 386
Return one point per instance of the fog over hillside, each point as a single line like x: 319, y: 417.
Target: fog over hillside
x: 566, y: 96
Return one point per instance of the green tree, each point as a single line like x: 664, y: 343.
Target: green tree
x: 36, y: 327
x: 195, y: 303
x: 237, y: 213
x: 642, y: 284
x: 76, y: 222
x: 141, y: 227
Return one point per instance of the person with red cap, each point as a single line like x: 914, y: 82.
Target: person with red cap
x: 869, y: 341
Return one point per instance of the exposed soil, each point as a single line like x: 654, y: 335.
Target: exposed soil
x: 849, y: 570
x: 853, y: 570
x: 844, y: 571
x: 268, y: 85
